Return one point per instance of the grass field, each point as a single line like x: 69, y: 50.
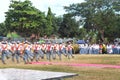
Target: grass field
x: 84, y: 73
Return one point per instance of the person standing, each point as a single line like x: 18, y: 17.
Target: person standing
x: 104, y: 49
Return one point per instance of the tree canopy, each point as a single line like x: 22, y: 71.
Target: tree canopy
x: 69, y: 26
x: 92, y: 19
x: 98, y: 15
x: 22, y: 17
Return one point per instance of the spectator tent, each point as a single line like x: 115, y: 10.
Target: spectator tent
x: 80, y: 42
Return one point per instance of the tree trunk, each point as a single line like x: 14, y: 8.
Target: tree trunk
x: 102, y: 35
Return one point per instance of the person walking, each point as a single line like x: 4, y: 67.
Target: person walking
x: 4, y: 51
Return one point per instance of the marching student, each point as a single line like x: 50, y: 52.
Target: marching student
x: 19, y: 51
x: 48, y: 51
x: 28, y: 55
x: 4, y: 51
x: 43, y: 46
x: 58, y: 49
x: 38, y: 51
x: 70, y: 51
x: 54, y: 51
x: 63, y: 49
x: 13, y: 49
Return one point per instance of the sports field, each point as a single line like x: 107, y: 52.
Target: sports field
x: 88, y: 67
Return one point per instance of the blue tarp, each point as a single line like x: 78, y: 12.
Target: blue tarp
x: 80, y: 42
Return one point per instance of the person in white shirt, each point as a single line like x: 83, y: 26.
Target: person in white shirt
x: 28, y: 55
x: 4, y: 48
x: 109, y: 49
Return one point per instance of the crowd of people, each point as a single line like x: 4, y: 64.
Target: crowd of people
x: 99, y: 48
x: 28, y: 51
x: 34, y: 51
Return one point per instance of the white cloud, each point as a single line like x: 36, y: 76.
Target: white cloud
x: 4, y: 5
x: 55, y: 5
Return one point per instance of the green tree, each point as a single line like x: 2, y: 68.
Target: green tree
x: 98, y: 15
x: 69, y: 27
x: 56, y: 21
x: 23, y: 18
x: 82, y: 34
x: 49, y: 27
x: 3, y: 29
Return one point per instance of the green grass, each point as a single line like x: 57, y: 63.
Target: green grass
x: 84, y: 73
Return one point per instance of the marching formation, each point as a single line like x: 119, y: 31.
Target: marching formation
x: 34, y: 51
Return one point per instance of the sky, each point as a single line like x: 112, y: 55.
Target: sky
x: 55, y: 5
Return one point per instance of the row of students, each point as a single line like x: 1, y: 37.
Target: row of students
x: 29, y: 52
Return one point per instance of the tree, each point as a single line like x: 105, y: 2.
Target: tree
x: 56, y: 22
x: 69, y: 27
x: 3, y: 29
x: 98, y: 15
x: 82, y: 34
x: 23, y: 18
x: 49, y: 28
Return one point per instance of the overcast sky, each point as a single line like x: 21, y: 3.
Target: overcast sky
x: 55, y: 5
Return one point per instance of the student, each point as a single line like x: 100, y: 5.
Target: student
x: 28, y: 55
x: 48, y: 51
x: 13, y: 49
x: 38, y: 52
x: 70, y: 51
x: 4, y: 52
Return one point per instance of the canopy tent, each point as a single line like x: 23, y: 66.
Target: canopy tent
x: 80, y: 42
